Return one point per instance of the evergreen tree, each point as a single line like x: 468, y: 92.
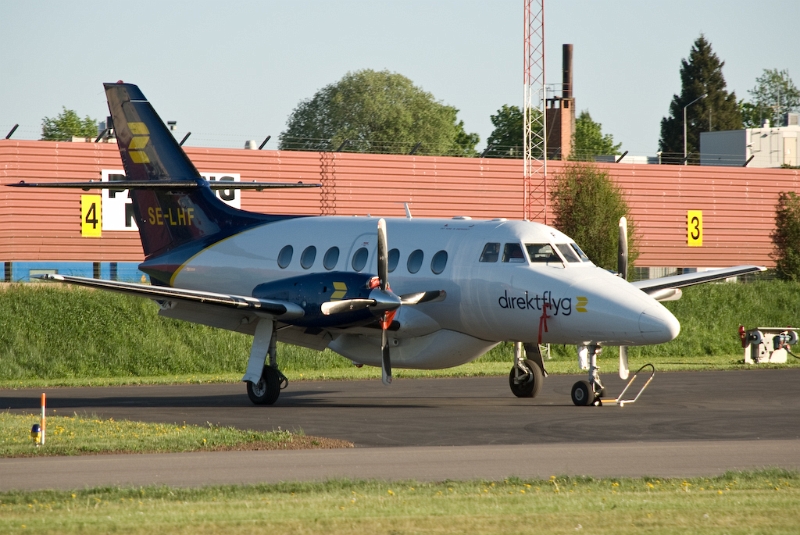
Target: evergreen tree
x: 589, y: 141
x: 786, y: 236
x: 701, y: 74
x: 379, y: 112
x: 67, y: 124
x: 587, y: 206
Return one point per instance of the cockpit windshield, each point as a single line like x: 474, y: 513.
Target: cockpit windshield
x: 583, y: 256
x: 569, y: 253
x: 541, y: 253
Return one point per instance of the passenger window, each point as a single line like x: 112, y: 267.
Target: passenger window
x: 491, y: 252
x: 285, y: 257
x: 308, y: 257
x: 513, y: 253
x: 568, y: 252
x: 360, y: 259
x: 394, y: 259
x: 415, y: 261
x: 581, y: 254
x: 438, y: 262
x: 542, y: 252
x: 331, y: 258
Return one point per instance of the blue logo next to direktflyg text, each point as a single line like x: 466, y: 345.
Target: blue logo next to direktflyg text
x: 555, y: 305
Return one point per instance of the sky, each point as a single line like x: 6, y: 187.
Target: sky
x: 234, y: 70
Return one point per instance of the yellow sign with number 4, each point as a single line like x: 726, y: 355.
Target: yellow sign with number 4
x: 91, y: 216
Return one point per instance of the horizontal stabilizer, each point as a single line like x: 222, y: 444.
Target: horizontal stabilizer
x: 164, y: 185
x: 274, y: 308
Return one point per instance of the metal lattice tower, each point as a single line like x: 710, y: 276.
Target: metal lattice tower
x: 534, y: 124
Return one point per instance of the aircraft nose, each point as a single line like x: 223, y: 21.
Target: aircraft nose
x: 657, y: 325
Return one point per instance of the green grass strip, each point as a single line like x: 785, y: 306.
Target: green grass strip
x: 80, y: 435
x: 735, y: 503
x: 55, y: 335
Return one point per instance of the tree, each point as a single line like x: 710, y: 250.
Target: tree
x: 589, y: 141
x: 506, y: 141
x: 774, y: 95
x: 587, y: 206
x: 67, y: 124
x: 377, y: 111
x: 701, y: 75
x: 786, y: 236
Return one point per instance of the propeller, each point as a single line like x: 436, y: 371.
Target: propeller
x: 622, y: 268
x: 382, y: 301
x: 388, y: 315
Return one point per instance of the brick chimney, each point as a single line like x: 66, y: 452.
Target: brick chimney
x: 561, y: 112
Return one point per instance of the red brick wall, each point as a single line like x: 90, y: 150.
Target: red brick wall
x: 737, y: 204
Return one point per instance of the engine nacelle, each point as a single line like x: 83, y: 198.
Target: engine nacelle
x: 310, y: 291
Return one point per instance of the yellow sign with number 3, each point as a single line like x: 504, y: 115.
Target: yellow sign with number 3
x: 694, y: 228
x: 91, y: 216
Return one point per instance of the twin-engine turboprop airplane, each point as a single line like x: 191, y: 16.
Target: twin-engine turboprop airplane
x: 458, y: 286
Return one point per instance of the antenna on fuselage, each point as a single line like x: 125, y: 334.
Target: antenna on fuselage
x: 408, y: 211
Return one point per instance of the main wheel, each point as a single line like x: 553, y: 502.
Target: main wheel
x: 267, y: 389
x: 582, y: 393
x: 529, y: 388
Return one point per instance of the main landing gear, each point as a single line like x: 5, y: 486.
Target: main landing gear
x: 589, y: 392
x: 264, y: 380
x: 527, y: 374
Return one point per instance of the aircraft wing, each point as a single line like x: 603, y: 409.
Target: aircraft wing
x: 275, y: 308
x: 654, y: 286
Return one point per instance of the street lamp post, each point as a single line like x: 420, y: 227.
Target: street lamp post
x: 685, y: 156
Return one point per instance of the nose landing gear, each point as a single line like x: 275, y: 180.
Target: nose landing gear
x: 527, y: 374
x: 592, y: 392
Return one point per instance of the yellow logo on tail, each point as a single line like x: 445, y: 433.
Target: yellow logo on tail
x: 141, y: 137
x: 580, y: 306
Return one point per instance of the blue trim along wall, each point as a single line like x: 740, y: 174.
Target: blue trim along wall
x: 121, y: 271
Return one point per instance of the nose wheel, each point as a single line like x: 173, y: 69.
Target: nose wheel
x: 591, y: 391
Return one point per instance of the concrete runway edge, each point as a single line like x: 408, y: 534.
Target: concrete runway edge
x: 492, y: 462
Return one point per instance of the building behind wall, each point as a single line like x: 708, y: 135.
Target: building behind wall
x: 765, y: 147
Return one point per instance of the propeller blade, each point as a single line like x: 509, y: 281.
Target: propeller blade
x: 423, y: 297
x: 623, y: 362
x: 622, y: 268
x: 622, y: 248
x: 345, y: 305
x: 383, y: 255
x: 386, y: 363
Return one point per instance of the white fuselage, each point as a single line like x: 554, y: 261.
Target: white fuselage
x: 489, y: 299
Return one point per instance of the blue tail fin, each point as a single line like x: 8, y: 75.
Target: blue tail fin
x: 173, y: 223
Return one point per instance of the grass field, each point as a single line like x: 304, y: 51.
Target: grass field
x: 81, y: 435
x: 736, y: 503
x: 56, y: 335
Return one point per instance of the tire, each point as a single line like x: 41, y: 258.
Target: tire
x: 267, y: 389
x: 582, y: 394
x: 531, y: 388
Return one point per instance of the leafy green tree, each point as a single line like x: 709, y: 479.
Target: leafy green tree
x: 701, y: 74
x: 587, y: 207
x: 506, y: 140
x: 67, y: 124
x: 589, y: 141
x: 377, y: 111
x: 786, y: 236
x: 773, y: 96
